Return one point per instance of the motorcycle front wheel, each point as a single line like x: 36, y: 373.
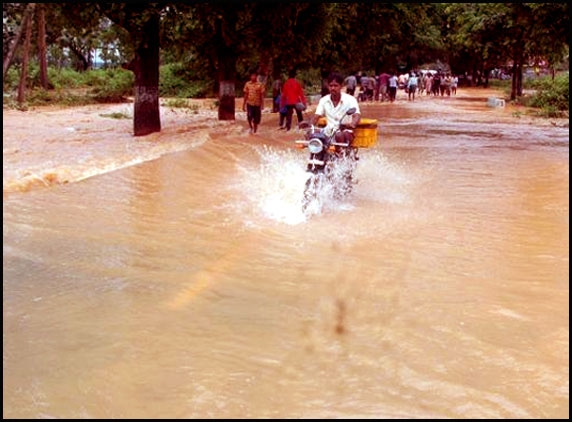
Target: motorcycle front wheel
x: 342, y: 178
x: 312, y: 190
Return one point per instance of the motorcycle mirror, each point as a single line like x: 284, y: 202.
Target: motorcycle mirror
x: 351, y: 111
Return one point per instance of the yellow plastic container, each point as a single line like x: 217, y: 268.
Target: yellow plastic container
x: 365, y: 132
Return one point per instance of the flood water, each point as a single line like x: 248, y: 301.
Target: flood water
x: 192, y: 286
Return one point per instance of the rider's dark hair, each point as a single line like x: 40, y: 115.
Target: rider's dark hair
x: 335, y: 76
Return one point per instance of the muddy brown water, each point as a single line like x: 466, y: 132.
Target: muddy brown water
x: 192, y: 286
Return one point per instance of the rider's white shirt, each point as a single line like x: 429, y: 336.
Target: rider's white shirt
x: 334, y: 115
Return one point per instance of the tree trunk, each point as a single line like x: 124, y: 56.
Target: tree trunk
x: 513, y: 84
x: 516, y: 88
x: 145, y: 66
x: 42, y: 47
x: 24, y: 71
x: 82, y: 63
x: 519, y: 81
x: 10, y: 55
x: 227, y: 84
x: 225, y: 59
x: 486, y: 72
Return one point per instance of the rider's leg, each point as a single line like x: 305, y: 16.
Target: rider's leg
x: 289, y: 116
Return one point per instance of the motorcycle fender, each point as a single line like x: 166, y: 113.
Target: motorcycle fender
x: 317, y: 162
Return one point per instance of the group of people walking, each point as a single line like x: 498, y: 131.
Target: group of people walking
x: 289, y: 98
x: 440, y: 84
x: 384, y: 86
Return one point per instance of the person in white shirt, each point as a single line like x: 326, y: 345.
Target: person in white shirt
x: 412, y: 86
x: 454, y: 83
x: 392, y: 87
x: 334, y: 107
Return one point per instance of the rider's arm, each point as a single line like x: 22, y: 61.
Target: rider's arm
x: 315, y: 119
x: 320, y: 112
x: 355, y: 119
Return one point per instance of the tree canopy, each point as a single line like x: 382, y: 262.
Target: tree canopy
x: 231, y: 38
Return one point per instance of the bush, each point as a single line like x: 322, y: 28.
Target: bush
x: 97, y: 77
x: 177, y: 80
x: 10, y: 82
x: 73, y: 88
x: 111, y: 85
x: 552, y: 96
x: 172, y: 80
x: 65, y: 78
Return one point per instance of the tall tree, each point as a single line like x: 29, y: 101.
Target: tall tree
x: 253, y: 35
x: 81, y: 29
x: 42, y: 59
x: 225, y: 56
x: 488, y: 35
x: 475, y: 37
x: 28, y: 22
x: 14, y: 41
x: 142, y: 22
x: 551, y: 34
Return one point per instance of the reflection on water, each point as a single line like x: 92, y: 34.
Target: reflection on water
x: 193, y: 287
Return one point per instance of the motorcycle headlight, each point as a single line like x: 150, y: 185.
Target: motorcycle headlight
x: 315, y: 146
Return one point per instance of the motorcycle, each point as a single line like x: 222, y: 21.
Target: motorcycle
x: 331, y: 163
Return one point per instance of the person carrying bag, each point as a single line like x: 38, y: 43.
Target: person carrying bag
x: 293, y: 98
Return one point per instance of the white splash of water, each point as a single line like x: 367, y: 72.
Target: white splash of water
x: 276, y: 186
x: 382, y: 180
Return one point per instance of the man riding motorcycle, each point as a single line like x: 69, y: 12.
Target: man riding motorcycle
x: 332, y: 156
x: 334, y: 106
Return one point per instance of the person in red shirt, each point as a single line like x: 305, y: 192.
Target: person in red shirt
x: 292, y: 94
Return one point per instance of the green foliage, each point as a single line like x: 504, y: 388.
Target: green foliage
x: 65, y: 78
x: 552, y: 96
x: 39, y: 97
x: 203, y: 41
x: 10, y: 82
x: 111, y: 85
x: 74, y: 88
x: 116, y: 115
x: 95, y: 78
x: 182, y: 103
x: 179, y: 80
x: 484, y: 36
x: 176, y: 103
